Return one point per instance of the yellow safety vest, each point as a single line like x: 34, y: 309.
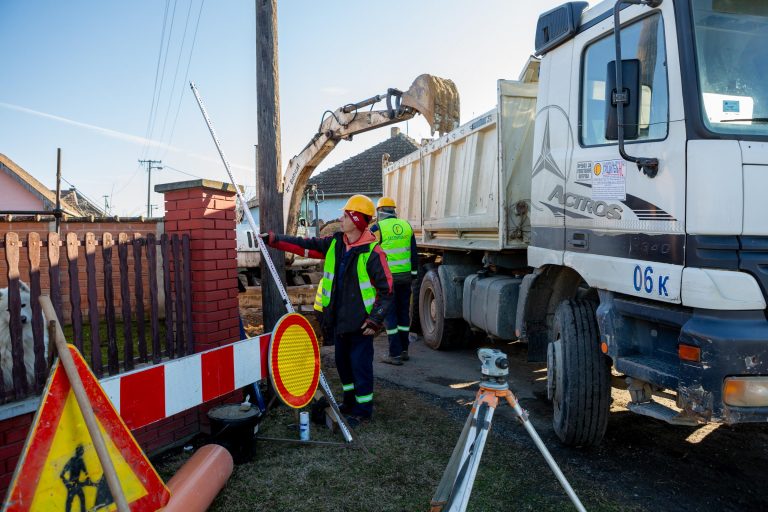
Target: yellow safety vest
x: 396, y: 241
x: 367, y: 290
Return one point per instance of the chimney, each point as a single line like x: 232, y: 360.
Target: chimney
x: 395, y: 131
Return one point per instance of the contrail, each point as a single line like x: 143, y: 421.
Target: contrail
x: 104, y: 131
x: 115, y: 134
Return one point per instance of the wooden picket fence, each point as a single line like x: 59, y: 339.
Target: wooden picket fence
x: 121, y: 295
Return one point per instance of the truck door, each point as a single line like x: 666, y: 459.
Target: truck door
x: 553, y: 144
x: 625, y: 230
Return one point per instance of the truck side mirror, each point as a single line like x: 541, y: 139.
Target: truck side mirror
x: 630, y: 70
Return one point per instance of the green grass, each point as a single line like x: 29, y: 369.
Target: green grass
x: 120, y: 335
x: 410, y: 440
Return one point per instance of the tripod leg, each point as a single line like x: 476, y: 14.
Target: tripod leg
x: 466, y: 477
x: 544, y: 451
x: 445, y: 486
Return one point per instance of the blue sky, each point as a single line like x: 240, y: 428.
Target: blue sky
x: 87, y: 75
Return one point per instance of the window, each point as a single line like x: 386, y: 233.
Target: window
x: 250, y: 239
x: 642, y: 40
x: 731, y: 38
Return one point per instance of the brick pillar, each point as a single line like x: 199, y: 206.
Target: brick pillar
x: 205, y: 210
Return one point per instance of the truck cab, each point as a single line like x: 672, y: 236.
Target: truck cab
x: 676, y: 255
x: 611, y: 213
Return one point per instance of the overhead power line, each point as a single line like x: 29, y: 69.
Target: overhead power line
x: 154, y: 87
x: 186, y: 76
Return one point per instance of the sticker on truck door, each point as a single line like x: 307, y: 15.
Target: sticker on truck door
x: 609, y: 180
x: 584, y: 171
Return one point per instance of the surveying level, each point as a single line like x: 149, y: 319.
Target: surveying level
x: 455, y: 487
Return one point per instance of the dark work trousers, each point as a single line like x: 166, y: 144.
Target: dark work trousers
x: 398, y: 321
x: 354, y: 361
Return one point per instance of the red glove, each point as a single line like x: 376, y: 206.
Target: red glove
x: 269, y: 238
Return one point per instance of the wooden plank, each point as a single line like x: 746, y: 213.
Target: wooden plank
x: 54, y: 244
x: 176, y: 244
x: 139, y: 291
x: 165, y: 250
x: 113, y: 359
x: 38, y: 344
x: 93, y: 303
x: 19, y: 373
x: 153, y: 305
x: 74, y: 290
x: 187, y: 293
x: 125, y: 297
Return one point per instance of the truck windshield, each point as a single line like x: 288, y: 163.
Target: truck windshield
x: 731, y: 39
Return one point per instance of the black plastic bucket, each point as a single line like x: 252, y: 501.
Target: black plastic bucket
x: 232, y: 428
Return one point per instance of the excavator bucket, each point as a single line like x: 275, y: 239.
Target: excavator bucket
x: 437, y: 99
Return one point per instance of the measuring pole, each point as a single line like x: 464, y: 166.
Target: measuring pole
x: 345, y: 430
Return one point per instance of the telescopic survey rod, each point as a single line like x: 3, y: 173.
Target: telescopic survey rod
x: 345, y: 430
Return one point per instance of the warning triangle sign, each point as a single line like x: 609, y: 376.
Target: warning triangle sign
x: 59, y: 469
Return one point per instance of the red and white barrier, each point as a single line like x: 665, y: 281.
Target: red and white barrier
x: 150, y: 394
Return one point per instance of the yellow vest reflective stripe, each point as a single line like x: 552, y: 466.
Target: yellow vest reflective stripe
x: 324, y: 289
x: 396, y: 242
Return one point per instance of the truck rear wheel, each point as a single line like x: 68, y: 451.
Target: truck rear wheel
x: 439, y: 332
x: 578, y: 375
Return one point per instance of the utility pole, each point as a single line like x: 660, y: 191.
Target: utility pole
x: 268, y: 123
x: 150, y: 165
x: 106, y: 204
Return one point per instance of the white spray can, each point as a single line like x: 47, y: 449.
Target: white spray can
x: 304, y: 426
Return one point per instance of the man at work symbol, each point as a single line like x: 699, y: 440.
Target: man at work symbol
x: 75, y: 466
x: 71, y: 476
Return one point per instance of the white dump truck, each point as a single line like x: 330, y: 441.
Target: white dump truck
x: 612, y: 216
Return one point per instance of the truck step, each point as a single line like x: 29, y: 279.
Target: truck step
x: 663, y: 413
x: 649, y: 369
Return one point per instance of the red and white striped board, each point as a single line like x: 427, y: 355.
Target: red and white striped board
x: 150, y: 394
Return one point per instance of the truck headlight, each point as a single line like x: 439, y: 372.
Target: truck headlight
x: 746, y: 391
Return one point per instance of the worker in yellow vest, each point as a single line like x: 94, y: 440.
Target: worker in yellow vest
x: 399, y: 244
x: 353, y: 296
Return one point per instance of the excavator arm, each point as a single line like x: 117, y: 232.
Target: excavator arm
x: 435, y: 98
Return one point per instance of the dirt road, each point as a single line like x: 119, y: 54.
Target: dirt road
x: 663, y: 467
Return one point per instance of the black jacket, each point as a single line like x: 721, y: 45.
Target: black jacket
x: 346, y: 312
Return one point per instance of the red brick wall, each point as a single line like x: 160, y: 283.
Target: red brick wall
x: 13, y: 432
x: 208, y: 216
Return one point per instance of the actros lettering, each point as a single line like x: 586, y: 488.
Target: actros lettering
x: 585, y: 204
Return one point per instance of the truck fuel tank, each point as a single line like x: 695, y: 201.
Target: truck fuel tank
x: 490, y: 302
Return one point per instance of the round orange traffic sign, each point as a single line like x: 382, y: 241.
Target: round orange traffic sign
x: 294, y: 360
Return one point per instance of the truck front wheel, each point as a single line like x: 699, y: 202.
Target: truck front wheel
x: 578, y: 375
x: 439, y: 332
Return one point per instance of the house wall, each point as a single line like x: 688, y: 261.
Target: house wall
x: 13, y: 196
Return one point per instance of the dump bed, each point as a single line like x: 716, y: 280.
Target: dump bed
x: 471, y: 188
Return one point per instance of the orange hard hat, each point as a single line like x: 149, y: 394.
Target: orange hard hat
x: 360, y: 203
x: 386, y: 201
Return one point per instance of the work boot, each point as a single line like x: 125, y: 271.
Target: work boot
x: 357, y: 421
x: 404, y: 356
x: 395, y: 360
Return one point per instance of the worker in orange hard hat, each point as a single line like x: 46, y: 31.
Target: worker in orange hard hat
x: 354, y: 296
x: 399, y: 244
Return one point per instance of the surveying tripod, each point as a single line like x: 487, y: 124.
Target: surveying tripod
x: 455, y: 487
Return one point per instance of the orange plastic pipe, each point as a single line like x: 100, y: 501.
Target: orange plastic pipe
x: 196, y: 484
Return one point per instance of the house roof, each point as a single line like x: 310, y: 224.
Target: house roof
x: 361, y: 174
x: 73, y: 200
x: 73, y: 203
